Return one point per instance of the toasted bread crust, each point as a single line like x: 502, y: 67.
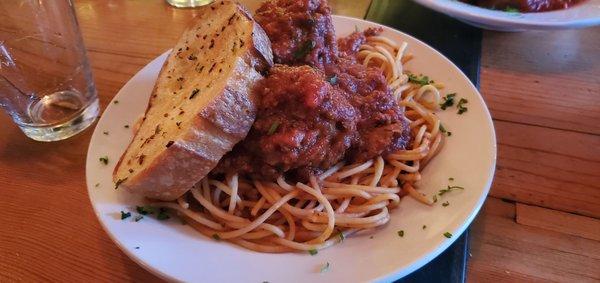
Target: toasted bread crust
x: 212, y: 132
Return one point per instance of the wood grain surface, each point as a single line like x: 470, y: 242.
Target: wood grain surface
x: 539, y: 223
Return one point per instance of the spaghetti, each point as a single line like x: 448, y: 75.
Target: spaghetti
x: 276, y: 216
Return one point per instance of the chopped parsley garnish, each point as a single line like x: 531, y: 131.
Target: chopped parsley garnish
x: 126, y: 126
x: 510, y: 9
x: 273, y: 128
x: 461, y: 106
x: 450, y: 179
x: 420, y: 80
x: 138, y: 218
x: 125, y: 215
x: 162, y: 214
x: 333, y: 80
x: 145, y: 210
x: 104, y: 160
x: 194, y: 92
x: 97, y: 185
x: 449, y: 189
x: 137, y: 248
x: 119, y: 182
x: 105, y: 133
x: 313, y: 251
x: 325, y: 267
x: 401, y: 233
x: 434, y: 198
x: 341, y: 235
x: 304, y: 50
x: 424, y: 227
x: 448, y: 101
x: 448, y: 235
x: 116, y: 102
x: 445, y: 204
x: 444, y: 131
x: 216, y: 237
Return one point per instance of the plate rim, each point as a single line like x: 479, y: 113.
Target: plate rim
x: 398, y: 272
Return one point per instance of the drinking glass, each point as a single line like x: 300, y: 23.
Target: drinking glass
x: 46, y: 84
x: 189, y: 3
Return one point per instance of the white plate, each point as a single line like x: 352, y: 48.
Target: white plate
x: 581, y: 15
x: 176, y: 252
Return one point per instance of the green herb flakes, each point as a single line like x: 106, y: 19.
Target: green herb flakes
x: 444, y: 131
x: 304, y: 50
x: 448, y: 101
x: 104, y: 159
x: 162, y: 214
x: 424, y: 227
x: 401, y: 233
x: 420, y: 80
x: 216, y: 237
x: 448, y: 235
x: 449, y: 189
x: 145, y: 210
x: 313, y: 251
x: 125, y: 215
x: 461, y: 106
x: 138, y: 218
x: 445, y: 204
x: 273, y: 128
x: 341, y: 236
x: 333, y: 80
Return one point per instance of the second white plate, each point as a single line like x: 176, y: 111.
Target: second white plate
x: 582, y: 15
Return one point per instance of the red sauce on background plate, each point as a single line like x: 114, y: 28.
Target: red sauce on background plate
x: 525, y: 6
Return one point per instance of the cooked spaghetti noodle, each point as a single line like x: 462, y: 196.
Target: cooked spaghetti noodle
x: 276, y: 216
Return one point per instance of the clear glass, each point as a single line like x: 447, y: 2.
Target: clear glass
x: 46, y: 84
x: 188, y: 3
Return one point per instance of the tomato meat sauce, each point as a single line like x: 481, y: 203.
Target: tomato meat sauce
x: 316, y: 107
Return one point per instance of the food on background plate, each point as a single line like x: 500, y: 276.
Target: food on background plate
x: 340, y: 133
x: 201, y: 106
x: 525, y: 6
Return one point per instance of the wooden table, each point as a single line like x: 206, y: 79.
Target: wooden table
x: 540, y: 222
